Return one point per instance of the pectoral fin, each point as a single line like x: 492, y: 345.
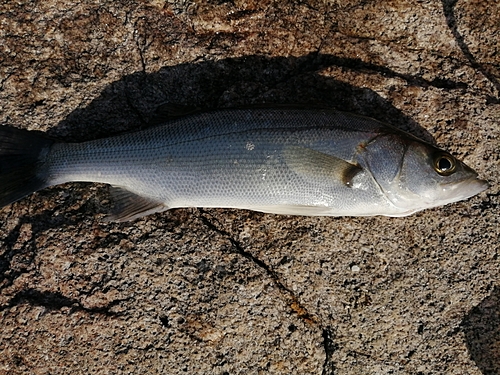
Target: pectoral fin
x: 130, y: 206
x: 315, y: 164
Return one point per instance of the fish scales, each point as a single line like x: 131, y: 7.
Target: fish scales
x: 229, y: 160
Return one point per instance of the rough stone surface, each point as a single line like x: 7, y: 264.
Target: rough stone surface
x: 220, y: 291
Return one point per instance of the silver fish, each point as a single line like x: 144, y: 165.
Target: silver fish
x: 283, y: 161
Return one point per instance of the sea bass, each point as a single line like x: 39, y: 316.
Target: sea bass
x: 282, y: 161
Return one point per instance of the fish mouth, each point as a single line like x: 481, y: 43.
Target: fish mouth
x: 464, y: 189
x: 452, y: 192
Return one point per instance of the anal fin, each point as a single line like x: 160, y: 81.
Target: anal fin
x: 130, y: 206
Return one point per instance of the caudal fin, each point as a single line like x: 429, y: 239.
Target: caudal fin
x: 22, y: 169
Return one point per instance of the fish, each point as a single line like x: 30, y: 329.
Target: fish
x: 290, y: 161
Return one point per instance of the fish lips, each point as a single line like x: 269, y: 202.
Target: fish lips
x: 464, y: 189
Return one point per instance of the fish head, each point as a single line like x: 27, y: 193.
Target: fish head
x: 430, y: 177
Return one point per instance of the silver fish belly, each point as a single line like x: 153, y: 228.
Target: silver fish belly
x: 284, y: 161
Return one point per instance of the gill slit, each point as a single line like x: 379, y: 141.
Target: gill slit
x: 382, y: 192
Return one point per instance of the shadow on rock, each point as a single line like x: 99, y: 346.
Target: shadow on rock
x: 55, y: 301
x: 482, y: 333
x: 130, y: 103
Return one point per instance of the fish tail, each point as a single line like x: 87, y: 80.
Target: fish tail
x: 22, y: 163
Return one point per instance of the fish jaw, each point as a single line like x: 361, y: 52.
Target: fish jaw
x: 451, y: 194
x: 454, y: 192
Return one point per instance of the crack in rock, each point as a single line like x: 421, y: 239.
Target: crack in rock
x: 291, y: 299
x: 328, y: 335
x: 451, y: 21
x: 330, y: 347
x: 361, y: 66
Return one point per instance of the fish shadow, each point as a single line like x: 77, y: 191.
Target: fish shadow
x: 482, y: 333
x: 130, y: 103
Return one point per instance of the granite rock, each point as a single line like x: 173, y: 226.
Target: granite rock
x: 219, y: 291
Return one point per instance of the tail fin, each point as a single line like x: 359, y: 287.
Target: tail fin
x: 22, y: 155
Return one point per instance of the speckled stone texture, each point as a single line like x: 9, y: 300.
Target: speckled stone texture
x: 199, y: 291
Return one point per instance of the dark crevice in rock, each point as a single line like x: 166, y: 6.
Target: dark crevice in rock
x: 141, y: 56
x: 56, y: 301
x: 449, y: 12
x: 364, y: 67
x: 291, y: 298
x: 165, y: 322
x: 330, y: 347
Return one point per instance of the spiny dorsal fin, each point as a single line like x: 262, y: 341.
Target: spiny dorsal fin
x: 315, y: 164
x: 130, y: 206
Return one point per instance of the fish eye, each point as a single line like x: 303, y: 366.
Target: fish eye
x: 444, y: 164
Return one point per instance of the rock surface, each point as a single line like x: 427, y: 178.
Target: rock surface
x: 220, y: 291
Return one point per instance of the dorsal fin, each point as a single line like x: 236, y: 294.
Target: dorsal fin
x: 130, y: 206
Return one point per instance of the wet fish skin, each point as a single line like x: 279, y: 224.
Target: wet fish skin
x: 285, y: 161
